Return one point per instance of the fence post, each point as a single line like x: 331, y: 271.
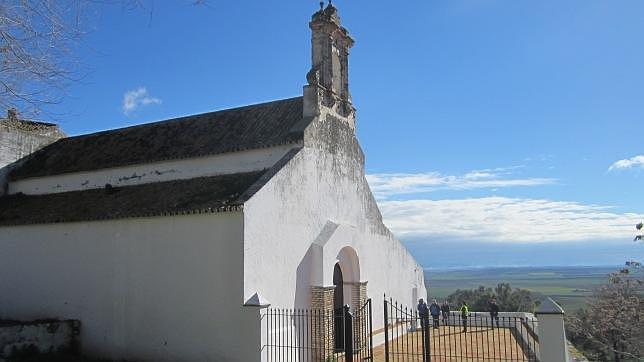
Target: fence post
x: 348, y: 334
x: 424, y: 320
x: 552, y: 334
x: 370, y: 330
x: 386, y: 330
x: 258, y: 303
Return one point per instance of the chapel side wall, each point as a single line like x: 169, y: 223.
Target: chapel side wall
x: 286, y: 216
x: 162, y: 289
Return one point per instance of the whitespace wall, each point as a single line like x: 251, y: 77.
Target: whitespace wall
x: 166, y: 288
x: 296, y: 225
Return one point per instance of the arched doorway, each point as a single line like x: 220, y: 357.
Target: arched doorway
x: 338, y: 307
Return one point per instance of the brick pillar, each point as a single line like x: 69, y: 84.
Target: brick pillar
x: 363, y: 293
x: 322, y: 328
x: 355, y: 297
x: 358, y: 299
x: 358, y: 295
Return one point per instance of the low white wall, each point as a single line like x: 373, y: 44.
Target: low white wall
x: 153, y: 289
x: 243, y: 161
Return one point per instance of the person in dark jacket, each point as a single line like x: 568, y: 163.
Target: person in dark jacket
x: 435, y: 311
x: 445, y: 311
x: 494, y: 312
x: 423, y: 314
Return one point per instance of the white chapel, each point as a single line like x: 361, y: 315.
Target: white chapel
x: 167, y: 239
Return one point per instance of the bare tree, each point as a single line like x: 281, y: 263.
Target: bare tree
x: 38, y: 39
x: 611, y: 328
x: 36, y: 42
x: 634, y: 267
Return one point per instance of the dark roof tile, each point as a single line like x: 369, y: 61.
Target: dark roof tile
x: 199, y: 195
x: 250, y: 127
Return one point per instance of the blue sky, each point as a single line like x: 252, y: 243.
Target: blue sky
x: 483, y: 121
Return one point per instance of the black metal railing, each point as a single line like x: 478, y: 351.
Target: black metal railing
x: 454, y: 337
x: 317, y: 335
x: 300, y: 334
x: 362, y: 333
x: 405, y: 339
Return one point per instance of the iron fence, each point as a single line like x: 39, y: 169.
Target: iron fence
x: 317, y: 335
x: 363, y: 333
x: 453, y: 337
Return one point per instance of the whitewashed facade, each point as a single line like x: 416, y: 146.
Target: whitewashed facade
x: 156, y: 270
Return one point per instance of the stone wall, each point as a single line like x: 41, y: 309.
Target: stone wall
x: 20, y: 138
x: 37, y: 337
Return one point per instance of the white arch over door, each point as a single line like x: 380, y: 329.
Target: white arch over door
x: 349, y: 263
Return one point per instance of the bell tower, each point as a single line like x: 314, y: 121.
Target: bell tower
x: 328, y: 79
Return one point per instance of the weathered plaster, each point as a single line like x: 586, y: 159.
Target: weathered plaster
x: 229, y: 163
x: 325, y: 206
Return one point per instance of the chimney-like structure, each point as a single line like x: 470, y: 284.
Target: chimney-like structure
x: 328, y: 79
x: 21, y: 137
x: 12, y: 115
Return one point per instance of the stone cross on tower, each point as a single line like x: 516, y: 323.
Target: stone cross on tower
x: 328, y: 79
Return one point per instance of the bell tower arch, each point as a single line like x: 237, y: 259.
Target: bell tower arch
x: 328, y: 79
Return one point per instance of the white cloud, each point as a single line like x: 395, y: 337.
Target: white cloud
x: 386, y: 185
x: 506, y: 219
x: 637, y: 161
x: 133, y: 99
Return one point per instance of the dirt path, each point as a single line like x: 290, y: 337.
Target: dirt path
x: 451, y: 344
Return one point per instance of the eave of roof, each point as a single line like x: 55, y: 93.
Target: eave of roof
x: 203, y: 195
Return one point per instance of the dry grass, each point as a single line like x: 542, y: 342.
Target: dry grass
x: 449, y: 343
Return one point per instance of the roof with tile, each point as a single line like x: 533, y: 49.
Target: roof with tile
x: 250, y: 127
x: 178, y: 197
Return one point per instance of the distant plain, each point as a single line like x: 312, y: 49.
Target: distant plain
x: 569, y: 286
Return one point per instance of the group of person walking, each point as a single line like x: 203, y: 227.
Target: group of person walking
x: 436, y: 311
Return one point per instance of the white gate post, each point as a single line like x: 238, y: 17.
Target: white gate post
x: 256, y: 303
x: 552, y: 334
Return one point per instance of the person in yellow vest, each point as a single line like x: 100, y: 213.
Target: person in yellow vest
x: 465, y: 311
